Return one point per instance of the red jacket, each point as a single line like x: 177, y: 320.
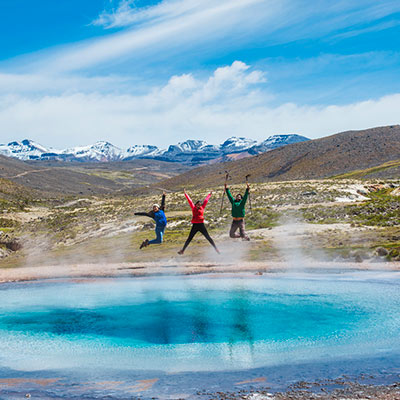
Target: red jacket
x: 198, y: 213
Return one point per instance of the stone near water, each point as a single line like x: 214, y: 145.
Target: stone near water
x: 381, y: 251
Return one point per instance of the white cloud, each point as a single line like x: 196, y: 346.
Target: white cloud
x: 234, y: 100
x: 203, y: 26
x: 344, y: 13
x: 160, y: 28
x: 128, y: 14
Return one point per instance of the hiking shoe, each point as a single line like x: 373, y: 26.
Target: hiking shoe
x: 180, y: 252
x: 246, y: 238
x: 145, y: 243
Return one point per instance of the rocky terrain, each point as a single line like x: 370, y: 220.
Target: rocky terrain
x: 344, y: 389
x: 326, y: 220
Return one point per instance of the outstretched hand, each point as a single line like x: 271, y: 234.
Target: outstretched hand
x: 226, y: 185
x: 248, y: 186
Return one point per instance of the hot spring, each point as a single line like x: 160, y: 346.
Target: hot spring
x: 198, y: 325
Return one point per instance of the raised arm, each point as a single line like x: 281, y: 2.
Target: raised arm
x: 145, y: 214
x: 228, y: 193
x: 189, y: 200
x: 206, y: 199
x: 245, y: 196
x: 163, y: 202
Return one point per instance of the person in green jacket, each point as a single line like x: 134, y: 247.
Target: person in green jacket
x: 238, y: 213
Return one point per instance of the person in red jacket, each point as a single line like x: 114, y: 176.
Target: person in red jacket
x: 197, y: 222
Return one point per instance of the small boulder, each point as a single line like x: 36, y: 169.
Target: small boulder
x: 14, y: 245
x: 310, y: 193
x: 381, y: 251
x: 10, y: 243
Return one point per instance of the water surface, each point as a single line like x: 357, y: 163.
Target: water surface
x: 197, y: 323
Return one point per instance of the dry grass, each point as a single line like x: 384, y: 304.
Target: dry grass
x: 105, y: 228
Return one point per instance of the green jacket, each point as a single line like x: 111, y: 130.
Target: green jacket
x: 238, y: 210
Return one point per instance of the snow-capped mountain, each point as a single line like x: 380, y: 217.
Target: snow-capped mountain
x: 100, y: 151
x: 139, y: 150
x: 236, y: 145
x: 187, y: 147
x: 25, y: 150
x: 188, y: 152
x: 275, y: 141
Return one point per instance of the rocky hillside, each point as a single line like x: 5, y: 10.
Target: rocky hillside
x: 321, y: 158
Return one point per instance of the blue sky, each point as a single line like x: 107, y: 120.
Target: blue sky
x: 157, y: 72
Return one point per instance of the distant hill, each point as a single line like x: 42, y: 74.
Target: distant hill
x: 86, y: 178
x: 387, y: 170
x: 190, y: 152
x: 315, y: 159
x: 14, y: 195
x: 370, y: 153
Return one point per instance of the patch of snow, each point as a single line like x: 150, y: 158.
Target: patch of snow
x: 237, y: 144
x: 142, y: 150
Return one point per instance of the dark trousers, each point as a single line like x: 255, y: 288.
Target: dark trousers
x: 198, y: 228
x: 238, y: 224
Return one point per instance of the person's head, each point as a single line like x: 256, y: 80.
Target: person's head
x: 238, y: 197
x: 198, y: 204
x: 156, y: 207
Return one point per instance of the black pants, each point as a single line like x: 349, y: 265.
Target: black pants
x: 198, y: 228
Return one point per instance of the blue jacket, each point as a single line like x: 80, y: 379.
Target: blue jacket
x: 160, y: 218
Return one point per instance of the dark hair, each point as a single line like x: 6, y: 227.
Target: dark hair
x: 197, y: 202
x: 239, y: 194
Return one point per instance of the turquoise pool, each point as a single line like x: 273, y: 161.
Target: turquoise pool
x: 203, y: 323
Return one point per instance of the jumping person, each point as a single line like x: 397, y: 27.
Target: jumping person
x: 158, y: 214
x: 238, y: 213
x: 197, y: 222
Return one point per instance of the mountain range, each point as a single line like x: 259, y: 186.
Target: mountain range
x: 368, y: 154
x: 371, y: 153
x: 191, y: 152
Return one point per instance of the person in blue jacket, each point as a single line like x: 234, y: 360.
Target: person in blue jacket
x: 158, y: 214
